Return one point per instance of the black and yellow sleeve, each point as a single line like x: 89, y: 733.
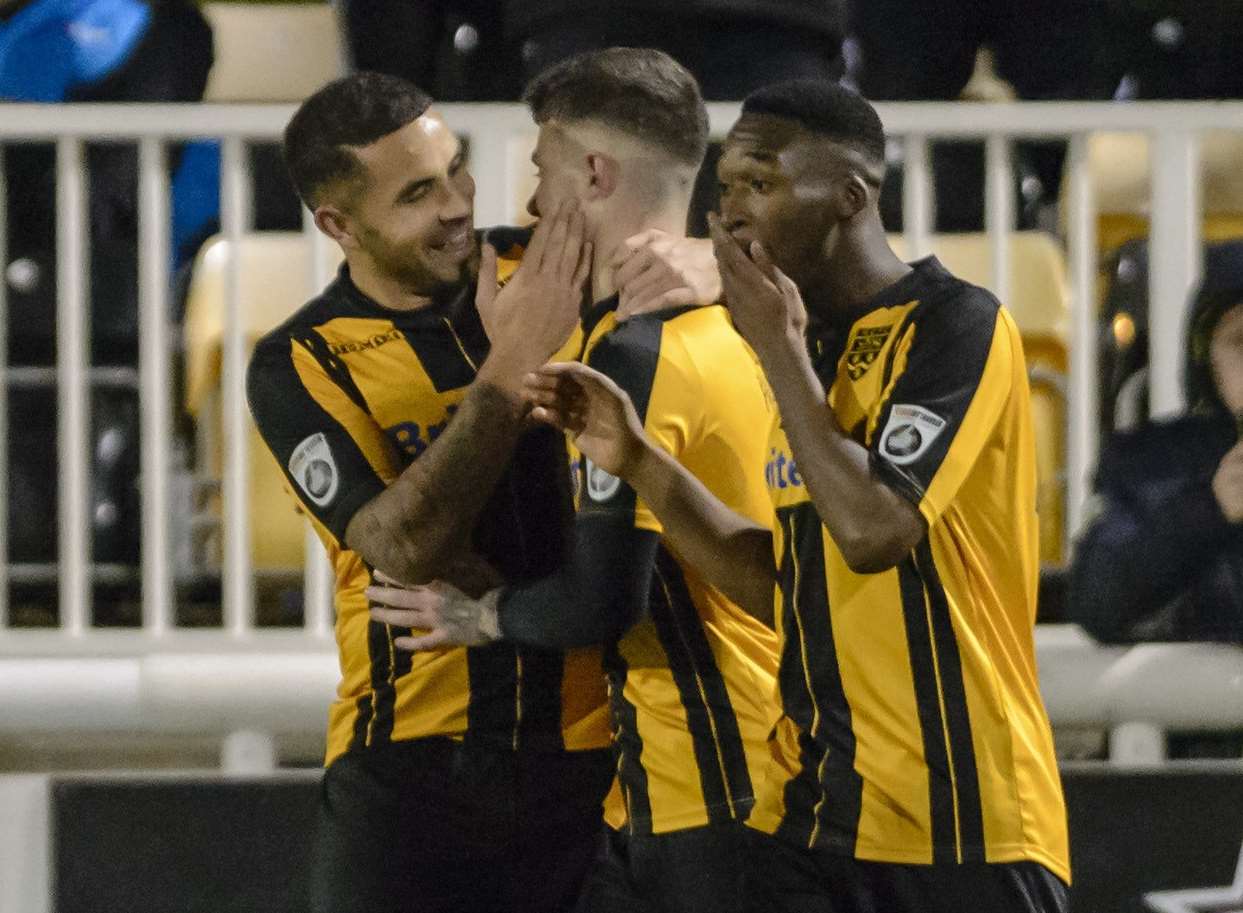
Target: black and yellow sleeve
x: 951, y: 376
x: 334, y: 455
x: 603, y: 589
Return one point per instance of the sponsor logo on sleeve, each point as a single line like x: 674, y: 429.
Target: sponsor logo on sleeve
x: 908, y: 434
x: 601, y: 485
x: 313, y: 467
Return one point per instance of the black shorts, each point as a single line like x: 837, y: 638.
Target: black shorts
x: 699, y: 870
x: 786, y: 879
x: 435, y: 825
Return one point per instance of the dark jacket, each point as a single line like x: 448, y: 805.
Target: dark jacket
x: 1159, y: 561
x: 827, y: 17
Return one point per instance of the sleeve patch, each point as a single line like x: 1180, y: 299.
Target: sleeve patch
x: 601, y: 485
x: 313, y: 467
x: 908, y: 434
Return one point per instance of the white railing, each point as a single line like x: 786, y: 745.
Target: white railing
x: 156, y: 650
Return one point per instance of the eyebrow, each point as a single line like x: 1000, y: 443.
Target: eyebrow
x: 766, y: 158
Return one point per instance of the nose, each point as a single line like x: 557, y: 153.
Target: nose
x: 533, y: 206
x: 732, y: 218
x: 459, y: 203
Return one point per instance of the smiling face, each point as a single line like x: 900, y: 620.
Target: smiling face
x: 411, y: 211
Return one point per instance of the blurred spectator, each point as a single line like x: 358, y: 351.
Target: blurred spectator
x: 88, y: 51
x: 926, y: 50
x: 1163, y: 558
x: 489, y: 49
x: 454, y: 49
x: 1178, y: 48
x: 83, y: 51
x: 732, y: 46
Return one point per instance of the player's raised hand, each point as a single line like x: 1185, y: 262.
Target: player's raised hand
x: 533, y: 315
x: 764, y: 302
x: 446, y: 616
x: 654, y: 271
x: 594, y: 411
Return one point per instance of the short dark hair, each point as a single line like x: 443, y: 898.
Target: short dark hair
x: 640, y: 91
x: 355, y: 110
x: 826, y: 108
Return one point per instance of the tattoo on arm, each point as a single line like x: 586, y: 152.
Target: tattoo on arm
x: 426, y: 516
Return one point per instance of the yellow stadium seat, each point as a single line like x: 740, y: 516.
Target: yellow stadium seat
x: 1039, y: 299
x: 1120, y: 167
x: 275, y: 280
x: 272, y: 51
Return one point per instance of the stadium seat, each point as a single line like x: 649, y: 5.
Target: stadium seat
x: 272, y: 51
x: 1121, y: 176
x: 275, y: 282
x: 1040, y: 302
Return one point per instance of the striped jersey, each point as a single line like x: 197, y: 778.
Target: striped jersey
x: 346, y: 394
x: 692, y: 685
x: 913, y: 727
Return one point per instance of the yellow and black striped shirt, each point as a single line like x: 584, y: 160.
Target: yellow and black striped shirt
x: 693, y: 685
x: 346, y: 394
x: 913, y: 727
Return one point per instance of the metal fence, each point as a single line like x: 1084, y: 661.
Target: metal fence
x: 495, y: 132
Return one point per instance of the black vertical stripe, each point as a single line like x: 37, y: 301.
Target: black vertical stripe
x: 334, y: 367
x: 542, y: 675
x: 958, y: 718
x: 362, y: 720
x: 630, y: 771
x: 838, y: 815
x: 802, y: 793
x: 711, y: 721
x: 492, y: 706
x: 379, y: 648
x: 791, y: 676
x: 927, y: 702
x: 437, y: 349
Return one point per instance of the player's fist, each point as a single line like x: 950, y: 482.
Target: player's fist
x: 1228, y: 484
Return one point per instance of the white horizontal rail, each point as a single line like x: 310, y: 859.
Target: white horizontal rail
x: 934, y: 119
x: 1174, y: 687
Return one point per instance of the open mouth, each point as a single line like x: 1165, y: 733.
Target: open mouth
x: 458, y: 244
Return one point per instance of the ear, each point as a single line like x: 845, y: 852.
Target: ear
x: 852, y: 197
x: 336, y: 225
x: 603, y: 176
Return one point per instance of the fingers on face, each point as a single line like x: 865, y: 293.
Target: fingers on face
x: 584, y: 266
x: 571, y: 250
x: 540, y: 237
x: 728, y: 254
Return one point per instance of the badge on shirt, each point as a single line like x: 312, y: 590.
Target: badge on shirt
x: 909, y: 433
x: 314, y: 469
x: 601, y: 485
